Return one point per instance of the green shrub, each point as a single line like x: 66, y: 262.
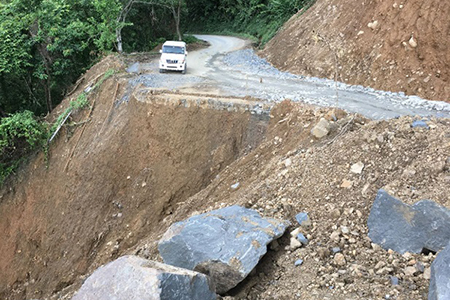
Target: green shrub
x: 190, y: 39
x: 20, y: 134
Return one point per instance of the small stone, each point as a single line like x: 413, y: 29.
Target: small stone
x: 322, y: 129
x: 345, y: 230
x: 302, y: 239
x: 335, y: 213
x: 339, y: 259
x: 410, y: 271
x: 394, y: 280
x: 346, y: 184
x: 412, y: 42
x: 373, y: 25
x: 357, y: 168
x: 302, y: 218
x: 380, y: 265
x: 235, y: 186
x: 323, y: 253
x: 420, y: 123
x: 295, y: 232
x: 336, y: 250
x: 275, y: 246
x: 427, y: 273
x: 419, y: 267
x: 288, y: 162
x: 298, y: 262
x: 295, y: 244
x: 335, y: 236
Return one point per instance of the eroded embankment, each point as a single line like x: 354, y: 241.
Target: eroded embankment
x: 130, y: 165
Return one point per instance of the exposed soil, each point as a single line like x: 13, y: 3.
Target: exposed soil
x: 387, y: 45
x: 139, y: 166
x: 132, y: 164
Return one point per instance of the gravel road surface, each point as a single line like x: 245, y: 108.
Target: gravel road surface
x: 229, y: 67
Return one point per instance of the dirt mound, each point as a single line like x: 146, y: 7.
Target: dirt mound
x: 110, y: 181
x: 387, y: 45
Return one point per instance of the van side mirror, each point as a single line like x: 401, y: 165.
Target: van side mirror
x: 160, y: 51
x: 186, y: 53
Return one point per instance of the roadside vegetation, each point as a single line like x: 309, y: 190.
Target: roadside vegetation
x: 45, y: 45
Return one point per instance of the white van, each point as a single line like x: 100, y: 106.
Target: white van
x: 173, y: 57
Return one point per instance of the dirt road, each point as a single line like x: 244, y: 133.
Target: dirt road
x: 230, y: 68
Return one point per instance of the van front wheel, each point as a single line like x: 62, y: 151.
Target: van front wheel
x: 184, y: 70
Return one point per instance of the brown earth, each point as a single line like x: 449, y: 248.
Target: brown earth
x: 162, y: 157
x: 337, y: 32
x: 132, y: 163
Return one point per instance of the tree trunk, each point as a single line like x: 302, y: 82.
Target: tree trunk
x: 121, y: 19
x: 47, y: 59
x: 119, y: 39
x: 176, y: 16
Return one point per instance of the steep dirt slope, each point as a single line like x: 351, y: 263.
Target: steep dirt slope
x: 387, y: 45
x: 131, y: 164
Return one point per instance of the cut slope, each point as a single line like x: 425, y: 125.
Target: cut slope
x: 380, y: 56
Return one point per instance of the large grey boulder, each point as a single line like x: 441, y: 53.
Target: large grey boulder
x: 408, y: 228
x: 225, y: 244
x: 440, y: 276
x: 135, y: 278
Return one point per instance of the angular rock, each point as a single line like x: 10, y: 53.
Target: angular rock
x: 321, y: 129
x: 225, y: 244
x: 357, y: 168
x: 135, y: 278
x: 303, y: 219
x: 420, y: 123
x: 440, y: 276
x: 405, y: 228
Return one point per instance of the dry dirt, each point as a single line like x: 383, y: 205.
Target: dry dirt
x: 380, y: 56
x: 142, y: 165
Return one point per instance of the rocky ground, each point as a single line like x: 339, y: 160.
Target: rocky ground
x: 396, y: 46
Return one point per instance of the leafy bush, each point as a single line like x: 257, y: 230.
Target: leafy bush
x: 20, y: 134
x: 190, y: 39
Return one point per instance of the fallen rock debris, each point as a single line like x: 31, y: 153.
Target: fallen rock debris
x: 225, y: 244
x: 135, y: 278
x: 424, y: 226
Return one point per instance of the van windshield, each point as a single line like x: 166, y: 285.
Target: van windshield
x: 173, y: 49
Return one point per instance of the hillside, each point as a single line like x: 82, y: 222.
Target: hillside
x: 387, y: 45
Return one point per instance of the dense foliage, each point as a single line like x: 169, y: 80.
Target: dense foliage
x: 19, y: 135
x: 259, y: 18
